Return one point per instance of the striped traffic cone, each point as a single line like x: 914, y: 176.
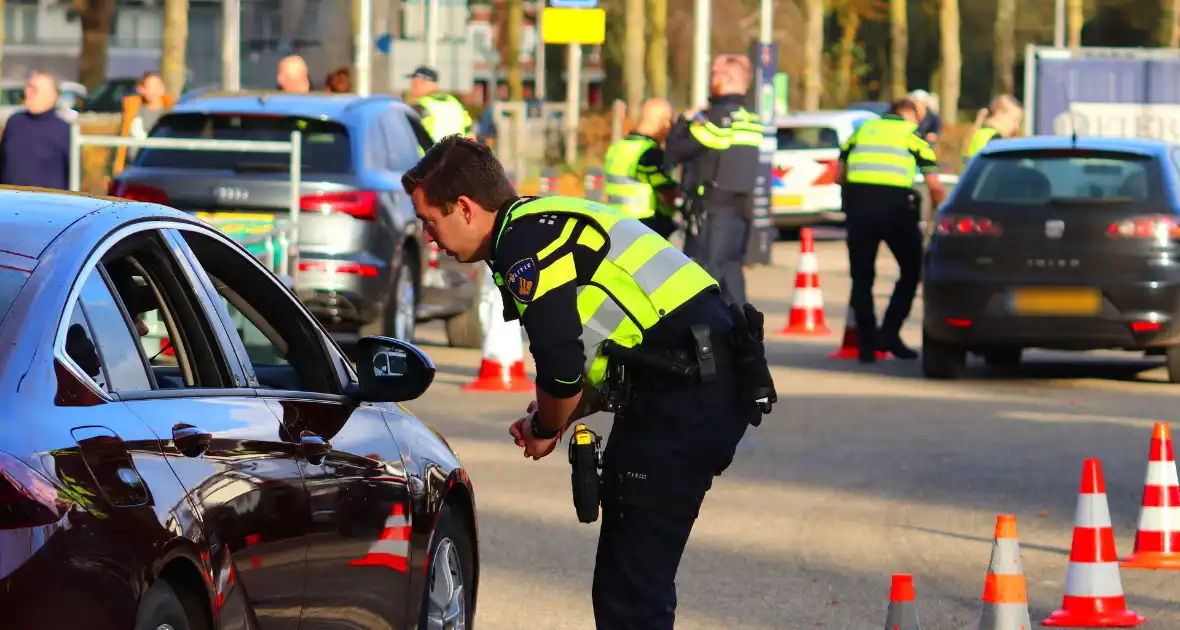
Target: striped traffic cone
x: 502, y: 367
x: 807, y: 304
x: 1093, y: 588
x: 1005, y: 597
x: 1157, y: 543
x: 903, y: 612
x: 392, y: 549
x: 850, y: 345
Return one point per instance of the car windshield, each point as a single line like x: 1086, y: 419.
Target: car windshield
x: 807, y: 138
x: 12, y: 95
x: 326, y: 147
x: 1063, y: 178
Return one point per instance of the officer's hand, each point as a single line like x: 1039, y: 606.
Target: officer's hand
x: 521, y: 432
x: 692, y: 113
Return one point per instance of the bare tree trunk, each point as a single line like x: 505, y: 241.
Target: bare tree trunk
x: 3, y: 30
x: 849, y: 28
x: 96, y: 17
x: 1003, y: 79
x: 1076, y: 18
x: 1174, y: 31
x: 952, y: 61
x: 172, y: 62
x: 813, y: 55
x: 899, y: 49
x: 514, y: 33
x: 657, y: 48
x: 633, y: 58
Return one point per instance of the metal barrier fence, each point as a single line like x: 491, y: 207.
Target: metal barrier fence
x: 279, y: 244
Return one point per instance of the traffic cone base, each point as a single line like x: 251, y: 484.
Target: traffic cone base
x: 807, y: 303
x: 502, y: 367
x: 1157, y: 541
x: 1091, y: 612
x: 850, y: 344
x: 496, y: 377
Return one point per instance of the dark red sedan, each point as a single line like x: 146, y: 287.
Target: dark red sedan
x: 241, y: 473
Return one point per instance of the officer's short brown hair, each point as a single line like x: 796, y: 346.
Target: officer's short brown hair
x: 906, y: 104
x: 459, y: 167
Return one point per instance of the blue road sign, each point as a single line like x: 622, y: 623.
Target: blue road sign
x: 574, y: 4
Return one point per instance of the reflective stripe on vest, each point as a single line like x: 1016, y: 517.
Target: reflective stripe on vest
x: 978, y: 141
x: 881, y: 156
x: 642, y: 279
x: 446, y: 115
x: 623, y: 188
x: 744, y: 130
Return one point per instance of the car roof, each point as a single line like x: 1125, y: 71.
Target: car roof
x: 1142, y: 146
x: 34, y: 217
x: 319, y: 105
x: 823, y: 117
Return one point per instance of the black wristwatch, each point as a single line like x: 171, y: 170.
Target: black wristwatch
x: 538, y: 431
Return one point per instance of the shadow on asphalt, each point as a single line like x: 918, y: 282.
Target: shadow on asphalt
x: 1023, y: 545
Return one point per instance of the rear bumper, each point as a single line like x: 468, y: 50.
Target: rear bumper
x: 1133, y: 316
x: 450, y: 289
x: 337, y: 298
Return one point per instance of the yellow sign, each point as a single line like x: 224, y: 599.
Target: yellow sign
x: 574, y: 26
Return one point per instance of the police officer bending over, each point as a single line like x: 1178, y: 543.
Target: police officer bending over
x: 617, y: 318
x: 878, y: 166
x: 636, y: 181
x: 719, y: 146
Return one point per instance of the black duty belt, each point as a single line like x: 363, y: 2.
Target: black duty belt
x: 699, y: 360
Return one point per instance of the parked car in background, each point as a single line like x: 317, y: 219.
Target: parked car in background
x: 1053, y: 243
x: 107, y: 97
x: 365, y: 267
x: 241, y: 478
x: 12, y: 97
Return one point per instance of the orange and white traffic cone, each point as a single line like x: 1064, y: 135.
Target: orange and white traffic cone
x: 1093, y: 588
x: 807, y: 304
x: 1157, y: 543
x: 903, y: 612
x: 502, y: 367
x: 1005, y: 595
x: 849, y: 346
x: 392, y: 549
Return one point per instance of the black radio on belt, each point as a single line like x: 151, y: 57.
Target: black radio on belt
x: 585, y: 462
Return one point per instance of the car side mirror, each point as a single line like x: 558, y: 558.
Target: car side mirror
x: 392, y: 370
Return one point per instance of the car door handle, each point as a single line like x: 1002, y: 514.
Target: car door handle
x: 313, y: 448
x: 189, y: 440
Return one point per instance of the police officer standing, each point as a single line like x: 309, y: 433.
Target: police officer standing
x: 719, y: 146
x: 636, y: 181
x: 597, y: 297
x: 1001, y: 119
x: 442, y: 114
x: 878, y: 166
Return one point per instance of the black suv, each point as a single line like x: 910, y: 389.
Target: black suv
x: 364, y: 267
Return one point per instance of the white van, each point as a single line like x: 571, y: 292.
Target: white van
x: 803, y: 190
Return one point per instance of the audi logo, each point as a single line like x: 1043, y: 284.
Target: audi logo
x: 230, y: 194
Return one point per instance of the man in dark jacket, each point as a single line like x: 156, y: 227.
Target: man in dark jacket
x: 35, y: 147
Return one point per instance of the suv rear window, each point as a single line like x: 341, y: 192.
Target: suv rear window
x: 807, y: 138
x: 326, y: 147
x: 11, y: 282
x: 1063, y: 177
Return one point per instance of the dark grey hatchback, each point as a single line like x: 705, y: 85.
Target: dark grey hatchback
x: 1059, y: 243
x: 365, y: 266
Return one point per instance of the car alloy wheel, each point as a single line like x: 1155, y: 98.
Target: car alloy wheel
x: 404, y: 318
x: 447, y: 609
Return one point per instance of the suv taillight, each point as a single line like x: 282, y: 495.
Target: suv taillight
x: 137, y: 192
x: 27, y: 498
x: 359, y: 204
x: 1148, y: 227
x: 961, y: 225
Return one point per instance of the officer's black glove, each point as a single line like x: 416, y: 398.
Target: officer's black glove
x: 747, y: 337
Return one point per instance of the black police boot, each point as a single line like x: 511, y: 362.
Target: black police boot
x: 866, y: 350
x: 893, y: 345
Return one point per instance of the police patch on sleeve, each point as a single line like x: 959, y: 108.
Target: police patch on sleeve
x: 521, y: 280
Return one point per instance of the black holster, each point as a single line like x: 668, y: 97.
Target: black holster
x: 585, y: 454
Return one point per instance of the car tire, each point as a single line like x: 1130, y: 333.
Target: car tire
x: 398, y: 317
x: 1003, y: 358
x: 465, y: 330
x: 451, y: 554
x: 163, y: 608
x: 1172, y: 360
x: 942, y: 360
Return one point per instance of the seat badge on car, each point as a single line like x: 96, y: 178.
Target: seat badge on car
x: 228, y: 194
x: 1054, y: 228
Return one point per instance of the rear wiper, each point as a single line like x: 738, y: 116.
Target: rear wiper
x: 261, y: 167
x: 1077, y: 201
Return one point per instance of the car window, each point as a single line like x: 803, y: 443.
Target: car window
x: 284, y: 344
x: 807, y: 138
x: 377, y: 146
x: 81, y: 349
x: 326, y: 146
x: 122, y: 360
x: 12, y: 95
x: 407, y: 137
x: 1061, y: 178
x: 11, y: 282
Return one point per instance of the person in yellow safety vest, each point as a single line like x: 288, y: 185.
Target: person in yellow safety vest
x: 1002, y: 119
x: 876, y: 171
x: 442, y: 114
x: 613, y: 313
x: 720, y: 147
x: 636, y: 180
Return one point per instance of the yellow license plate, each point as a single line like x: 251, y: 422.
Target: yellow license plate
x: 1072, y: 301
x: 790, y: 201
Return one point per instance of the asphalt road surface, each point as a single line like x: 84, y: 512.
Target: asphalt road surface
x: 861, y: 472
